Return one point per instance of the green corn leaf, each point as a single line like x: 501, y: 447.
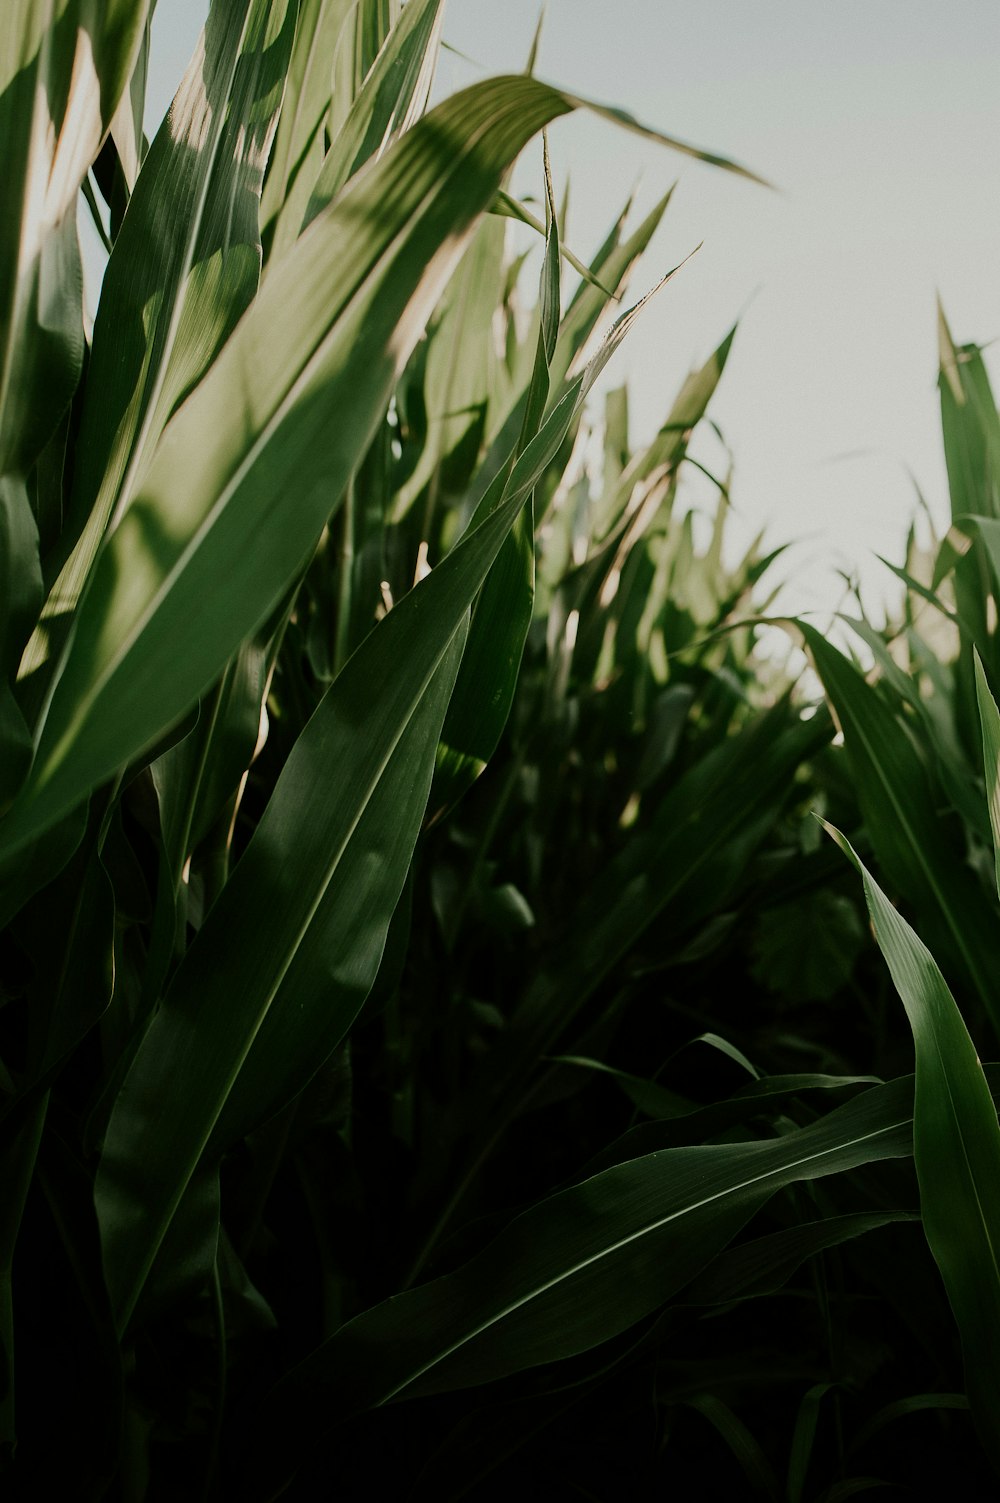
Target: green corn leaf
x: 647, y: 1096
x: 764, y: 1265
x: 293, y: 874
x: 63, y: 67
x: 616, y: 528
x: 369, y: 25
x: 971, y: 432
x: 989, y: 717
x: 321, y: 31
x: 198, y: 781
x: 733, y: 1432
x: 338, y: 47
x: 630, y: 123
x: 917, y: 1403
x: 703, y: 834
x: 608, y: 279
x: 850, y: 1487
x: 613, y: 261
x: 969, y: 622
x: 184, y: 269
x: 684, y: 864
x: 576, y: 1269
x: 206, y: 551
x: 283, y: 962
x: 489, y: 672
x: 616, y: 438
x: 20, y: 598
x: 196, y: 778
x: 937, y: 726
x: 392, y: 98
x: 459, y: 380
x: 802, y: 1440
x: 971, y: 428
x: 126, y: 125
x: 977, y: 580
x: 688, y: 410
x: 899, y: 801
x: 956, y: 1150
x: 507, y: 207
x: 679, y: 1127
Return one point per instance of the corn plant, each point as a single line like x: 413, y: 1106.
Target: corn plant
x: 922, y: 738
x: 399, y: 837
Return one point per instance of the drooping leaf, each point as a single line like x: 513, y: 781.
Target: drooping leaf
x: 237, y: 1075
x: 327, y: 336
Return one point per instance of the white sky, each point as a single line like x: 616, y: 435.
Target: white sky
x: 879, y: 122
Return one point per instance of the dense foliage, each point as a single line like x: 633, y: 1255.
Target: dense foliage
x: 441, y: 1051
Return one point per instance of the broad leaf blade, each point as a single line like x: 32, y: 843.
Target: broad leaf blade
x: 282, y: 964
x: 243, y: 1071
x: 299, y: 147
x: 956, y: 1149
x: 211, y: 541
x: 578, y: 1268
x: 63, y: 67
x: 183, y: 271
x: 392, y: 99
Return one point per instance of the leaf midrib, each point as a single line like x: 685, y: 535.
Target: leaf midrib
x: 514, y: 1305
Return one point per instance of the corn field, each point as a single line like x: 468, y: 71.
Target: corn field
x: 468, y: 1021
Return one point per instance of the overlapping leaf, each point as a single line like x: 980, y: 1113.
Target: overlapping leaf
x: 898, y: 800
x: 305, y: 908
x: 956, y: 1149
x: 184, y: 269
x: 63, y: 67
x: 322, y: 343
x: 576, y: 1269
x: 283, y: 962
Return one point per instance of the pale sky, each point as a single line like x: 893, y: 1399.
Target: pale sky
x: 879, y: 121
